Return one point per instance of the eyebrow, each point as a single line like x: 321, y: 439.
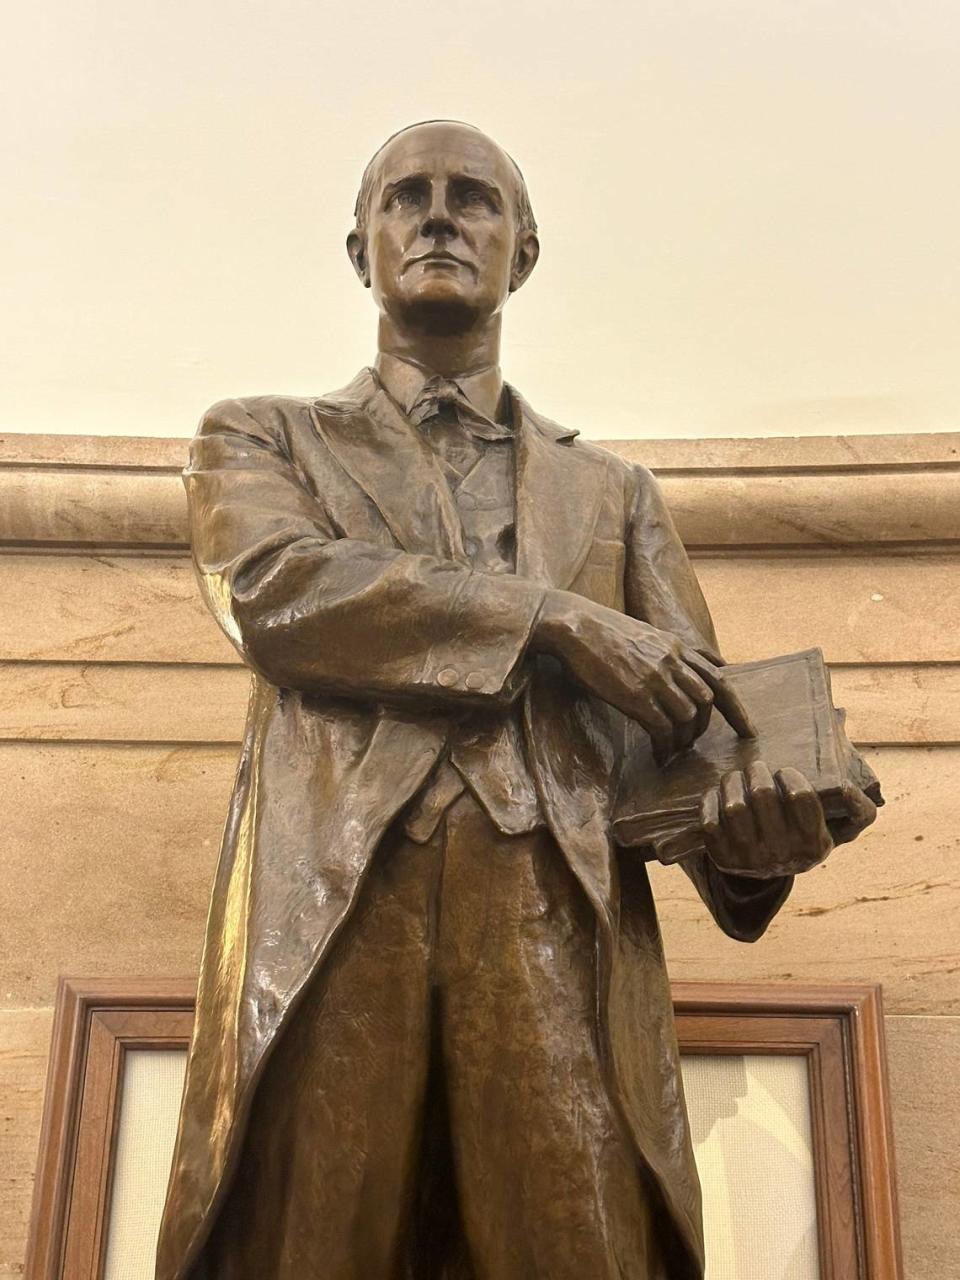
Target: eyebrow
x: 404, y: 181
x: 422, y: 179
x: 491, y: 188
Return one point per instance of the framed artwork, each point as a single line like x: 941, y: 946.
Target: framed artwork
x: 786, y: 1090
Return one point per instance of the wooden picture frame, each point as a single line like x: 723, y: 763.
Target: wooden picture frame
x: 837, y: 1030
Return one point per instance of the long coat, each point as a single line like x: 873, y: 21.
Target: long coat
x: 329, y: 550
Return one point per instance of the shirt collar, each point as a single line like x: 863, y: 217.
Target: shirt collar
x: 403, y: 381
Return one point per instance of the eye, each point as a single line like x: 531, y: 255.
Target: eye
x: 405, y: 198
x: 475, y: 197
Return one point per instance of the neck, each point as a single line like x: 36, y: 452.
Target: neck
x: 456, y: 355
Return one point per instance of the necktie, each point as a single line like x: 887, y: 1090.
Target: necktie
x: 442, y: 397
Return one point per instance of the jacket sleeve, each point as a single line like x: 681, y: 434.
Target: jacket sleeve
x: 661, y: 588
x: 310, y: 609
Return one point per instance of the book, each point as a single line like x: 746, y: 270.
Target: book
x: 790, y: 701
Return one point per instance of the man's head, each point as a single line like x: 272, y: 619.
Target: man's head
x: 444, y: 229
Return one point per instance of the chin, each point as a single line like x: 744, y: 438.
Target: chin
x: 440, y: 310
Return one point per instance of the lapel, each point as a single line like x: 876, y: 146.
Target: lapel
x: 386, y: 455
x: 559, y: 493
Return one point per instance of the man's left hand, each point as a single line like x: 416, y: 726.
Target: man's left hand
x: 763, y: 825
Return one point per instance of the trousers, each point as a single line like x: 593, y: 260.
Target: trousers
x: 436, y: 1107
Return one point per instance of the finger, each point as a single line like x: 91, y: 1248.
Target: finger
x: 713, y: 836
x: 859, y: 806
x: 660, y: 728
x: 735, y: 813
x: 684, y: 730
x: 802, y: 804
x: 860, y: 813
x: 767, y: 805
x: 680, y: 710
x: 731, y: 706
x: 700, y: 692
x: 725, y: 698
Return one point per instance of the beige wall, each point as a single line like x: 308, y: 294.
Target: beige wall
x: 121, y: 705
x: 749, y: 208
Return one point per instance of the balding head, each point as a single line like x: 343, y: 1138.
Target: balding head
x: 431, y: 128
x: 444, y: 228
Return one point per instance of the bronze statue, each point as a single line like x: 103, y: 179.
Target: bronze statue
x: 434, y: 1034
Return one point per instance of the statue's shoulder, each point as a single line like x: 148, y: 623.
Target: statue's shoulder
x: 580, y: 450
x: 597, y: 453
x: 264, y: 410
x: 286, y: 419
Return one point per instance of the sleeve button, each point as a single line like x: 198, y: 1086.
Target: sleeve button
x: 475, y: 680
x: 448, y: 676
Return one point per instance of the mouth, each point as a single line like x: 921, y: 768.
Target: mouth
x: 439, y: 258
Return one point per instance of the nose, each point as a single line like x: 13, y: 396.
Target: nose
x: 437, y: 223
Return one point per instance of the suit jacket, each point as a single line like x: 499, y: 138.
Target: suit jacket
x: 329, y: 550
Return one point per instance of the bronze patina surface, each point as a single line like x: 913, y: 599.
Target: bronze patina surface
x: 434, y: 1035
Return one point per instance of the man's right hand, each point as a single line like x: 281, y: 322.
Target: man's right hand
x: 648, y: 674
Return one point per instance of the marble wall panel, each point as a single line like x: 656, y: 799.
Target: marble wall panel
x: 122, y: 702
x: 106, y: 608
x: 892, y: 453
x: 924, y: 1060
x: 110, y: 850
x: 885, y: 909
x: 24, y: 1043
x: 829, y: 501
x: 750, y: 453
x: 96, y: 506
x: 170, y: 702
x: 858, y: 609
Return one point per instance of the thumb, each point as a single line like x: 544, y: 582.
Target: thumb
x: 860, y: 808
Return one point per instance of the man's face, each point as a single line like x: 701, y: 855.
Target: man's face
x: 440, y: 249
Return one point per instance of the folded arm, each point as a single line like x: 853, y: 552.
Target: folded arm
x: 312, y: 610
x: 657, y: 661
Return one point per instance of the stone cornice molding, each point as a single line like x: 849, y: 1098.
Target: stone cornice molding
x: 827, y: 492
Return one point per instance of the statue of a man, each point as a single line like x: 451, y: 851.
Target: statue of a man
x: 434, y: 1035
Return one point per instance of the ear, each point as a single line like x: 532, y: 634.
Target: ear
x: 524, y: 259
x: 357, y: 249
